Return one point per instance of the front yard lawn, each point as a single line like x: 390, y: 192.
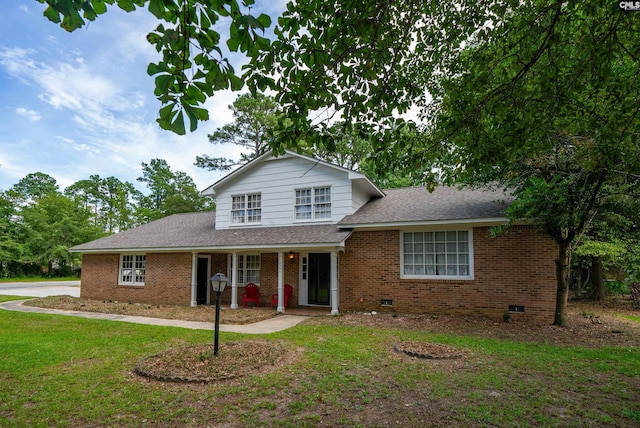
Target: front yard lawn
x: 66, y: 371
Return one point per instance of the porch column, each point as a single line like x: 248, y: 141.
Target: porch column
x: 234, y: 281
x: 280, y: 308
x: 194, y: 278
x: 334, y: 283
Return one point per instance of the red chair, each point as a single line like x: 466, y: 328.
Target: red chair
x: 251, y: 294
x: 288, y: 291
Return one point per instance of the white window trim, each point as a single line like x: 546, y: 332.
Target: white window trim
x: 245, y: 209
x: 244, y: 269
x: 132, y: 283
x: 445, y: 277
x: 313, y: 204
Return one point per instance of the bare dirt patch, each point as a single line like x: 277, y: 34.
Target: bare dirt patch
x: 589, y: 324
x: 436, y: 351
x: 202, y: 313
x: 198, y: 364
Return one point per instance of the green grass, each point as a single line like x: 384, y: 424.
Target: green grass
x: 632, y: 318
x: 66, y: 371
x: 4, y: 298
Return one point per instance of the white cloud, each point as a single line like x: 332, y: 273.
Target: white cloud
x: 16, y: 59
x: 32, y: 115
x: 94, y: 103
x: 66, y: 140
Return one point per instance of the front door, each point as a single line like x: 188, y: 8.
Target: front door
x: 319, y: 282
x: 202, y: 280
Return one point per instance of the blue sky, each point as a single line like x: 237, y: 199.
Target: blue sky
x: 81, y: 103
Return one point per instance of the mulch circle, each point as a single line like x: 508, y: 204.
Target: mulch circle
x: 198, y: 364
x: 427, y: 350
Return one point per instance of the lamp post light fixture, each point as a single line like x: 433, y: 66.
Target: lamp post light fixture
x: 218, y: 283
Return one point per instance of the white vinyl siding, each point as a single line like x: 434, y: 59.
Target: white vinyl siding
x: 246, y: 208
x: 437, y: 254
x: 277, y: 180
x: 313, y: 204
x: 248, y: 269
x: 132, y: 269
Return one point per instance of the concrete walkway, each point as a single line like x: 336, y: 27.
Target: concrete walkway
x: 272, y: 325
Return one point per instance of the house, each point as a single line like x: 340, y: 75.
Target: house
x: 340, y: 241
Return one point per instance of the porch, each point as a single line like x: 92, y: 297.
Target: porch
x: 312, y: 273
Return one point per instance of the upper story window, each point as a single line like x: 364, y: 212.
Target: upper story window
x: 313, y: 203
x: 246, y: 208
x: 132, y: 269
x: 441, y: 254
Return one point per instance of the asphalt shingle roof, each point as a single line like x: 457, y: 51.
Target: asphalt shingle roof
x: 197, y: 230
x: 399, y: 206
x: 417, y: 204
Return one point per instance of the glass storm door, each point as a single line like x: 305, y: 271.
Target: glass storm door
x: 319, y: 278
x: 202, y: 280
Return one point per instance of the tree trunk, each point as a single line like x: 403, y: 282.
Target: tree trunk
x: 597, y: 278
x: 562, y: 272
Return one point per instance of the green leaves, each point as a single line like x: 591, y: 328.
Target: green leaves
x: 67, y: 13
x: 52, y: 15
x: 193, y: 64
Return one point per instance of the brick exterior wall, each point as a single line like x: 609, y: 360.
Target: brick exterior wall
x: 515, y: 269
x: 168, y: 279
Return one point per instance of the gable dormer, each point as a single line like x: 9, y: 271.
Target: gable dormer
x: 287, y: 190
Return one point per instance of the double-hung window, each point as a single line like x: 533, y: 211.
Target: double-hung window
x: 132, y: 269
x: 246, y: 208
x: 437, y: 254
x: 313, y: 203
x: 248, y: 269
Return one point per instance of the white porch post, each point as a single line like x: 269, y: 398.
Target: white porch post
x: 234, y: 281
x: 280, y: 308
x: 334, y: 283
x: 194, y: 278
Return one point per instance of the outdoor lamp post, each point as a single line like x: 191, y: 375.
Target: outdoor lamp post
x: 218, y: 282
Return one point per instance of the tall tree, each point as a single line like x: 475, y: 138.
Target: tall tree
x: 32, y: 187
x: 10, y: 247
x: 50, y: 227
x: 562, y: 194
x: 170, y: 192
x: 549, y: 111
x: 46, y: 223
x: 255, y: 119
x: 351, y: 146
x: 111, y: 201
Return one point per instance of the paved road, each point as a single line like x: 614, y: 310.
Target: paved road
x: 41, y: 289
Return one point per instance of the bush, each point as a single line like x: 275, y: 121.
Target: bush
x: 616, y: 287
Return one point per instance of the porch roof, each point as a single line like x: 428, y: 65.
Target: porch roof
x: 196, y: 231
